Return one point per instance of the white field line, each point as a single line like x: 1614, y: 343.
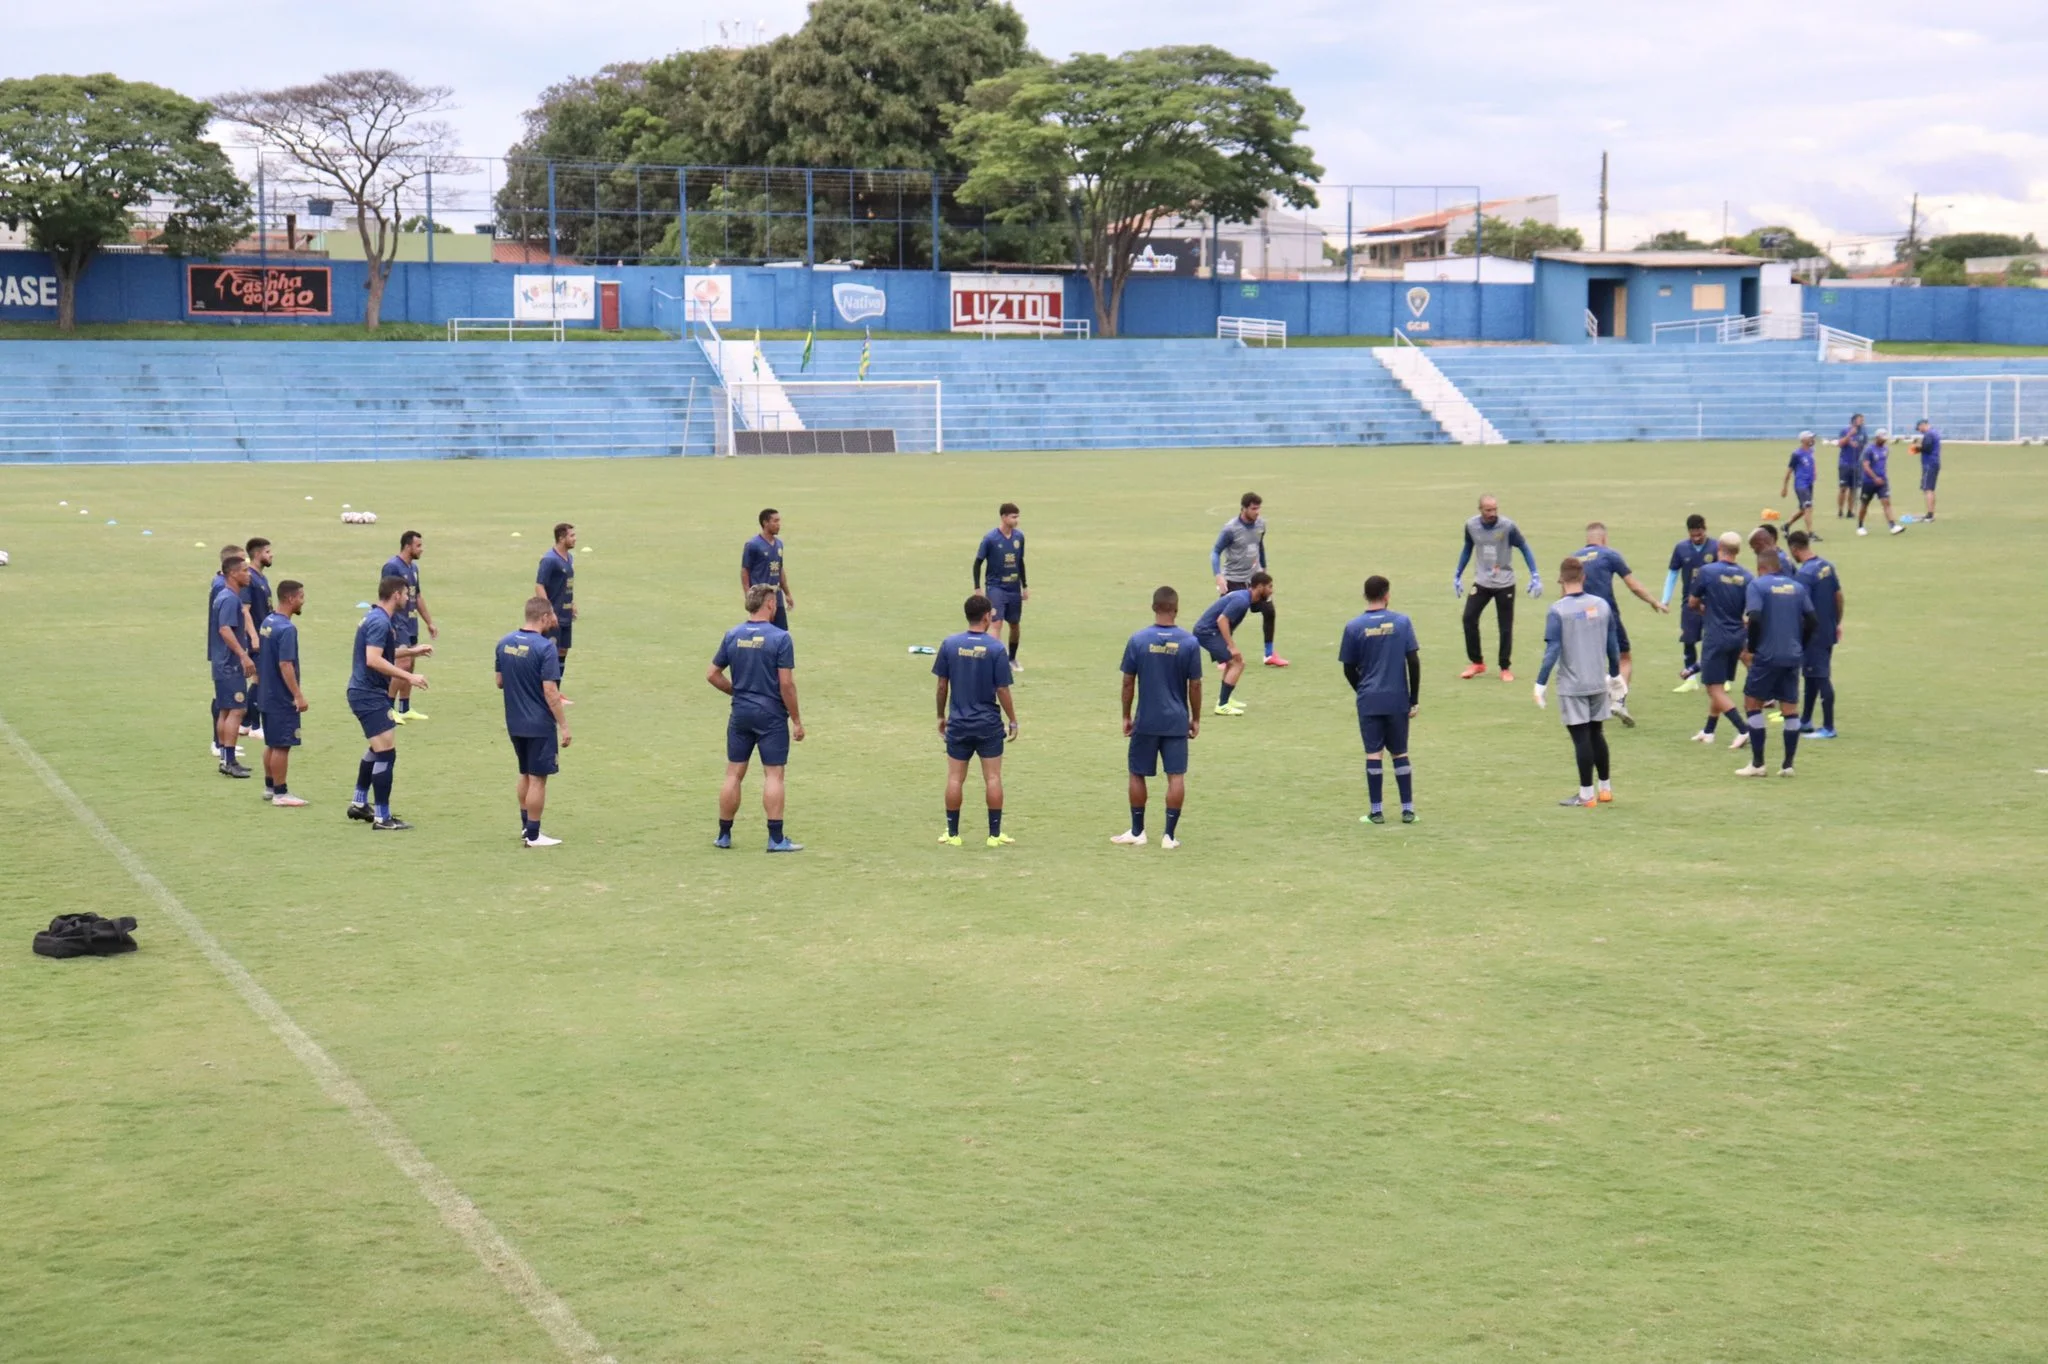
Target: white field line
x: 462, y: 1216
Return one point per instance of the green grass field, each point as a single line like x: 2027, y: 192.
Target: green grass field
x: 1741, y: 1071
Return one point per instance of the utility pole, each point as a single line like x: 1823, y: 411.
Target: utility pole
x: 1603, y: 201
x: 1913, y: 234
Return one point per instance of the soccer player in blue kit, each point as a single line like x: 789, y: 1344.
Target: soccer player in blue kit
x: 1719, y: 594
x: 1009, y: 586
x: 555, y: 582
x: 1688, y: 557
x: 1877, y: 482
x: 371, y: 674
x: 278, y: 687
x: 1162, y: 670
x: 975, y: 714
x: 1216, y: 632
x: 1603, y: 565
x: 761, y: 564
x: 234, y: 668
x: 756, y: 666
x: 1383, y: 665
x: 1779, y: 618
x: 406, y: 623
x: 1824, y: 589
x: 248, y: 632
x: 529, y: 672
x: 1929, y: 445
x: 1849, y: 465
x: 1799, y: 478
x: 257, y: 599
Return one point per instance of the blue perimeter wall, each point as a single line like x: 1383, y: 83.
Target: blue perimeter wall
x: 145, y: 288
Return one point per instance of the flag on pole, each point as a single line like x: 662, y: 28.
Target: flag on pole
x: 757, y: 352
x: 810, y: 339
x: 864, y: 356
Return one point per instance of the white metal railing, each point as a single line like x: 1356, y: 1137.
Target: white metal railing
x: 664, y: 303
x: 1592, y: 325
x: 1736, y: 329
x: 1402, y: 338
x: 1247, y: 329
x: 1079, y: 328
x: 554, y: 330
x: 1836, y: 344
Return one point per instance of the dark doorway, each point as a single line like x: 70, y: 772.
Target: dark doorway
x: 1607, y: 304
x: 1750, y: 297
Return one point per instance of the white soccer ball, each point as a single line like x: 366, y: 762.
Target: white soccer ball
x: 3, y: 558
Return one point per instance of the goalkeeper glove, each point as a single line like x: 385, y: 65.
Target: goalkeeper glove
x: 1458, y: 585
x: 1539, y: 697
x: 1535, y: 586
x: 1617, y: 690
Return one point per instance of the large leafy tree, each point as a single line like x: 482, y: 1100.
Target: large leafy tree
x: 1518, y: 241
x: 371, y: 136
x: 1674, y: 239
x: 79, y: 155
x: 1963, y: 246
x: 1122, y: 142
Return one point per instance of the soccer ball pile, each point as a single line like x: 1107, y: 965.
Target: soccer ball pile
x: 356, y: 518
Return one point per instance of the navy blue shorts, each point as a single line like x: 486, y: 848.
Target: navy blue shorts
x: 1384, y: 733
x: 405, y: 629
x: 1873, y: 491
x: 1150, y: 751
x: 375, y: 719
x: 230, y: 689
x: 1214, y: 646
x: 781, y: 613
x: 1804, y: 492
x: 538, y: 754
x: 967, y: 746
x: 1846, y: 475
x: 1692, y: 626
x: 1718, y: 663
x: 771, y: 737
x: 1620, y: 630
x: 1819, y: 663
x: 1772, y: 684
x: 1009, y: 605
x: 281, y: 727
x: 1930, y: 474
x: 561, y: 634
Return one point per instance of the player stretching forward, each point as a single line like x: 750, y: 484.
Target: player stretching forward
x: 1929, y: 443
x: 1582, y: 641
x: 1602, y: 565
x: 234, y: 671
x: 529, y: 672
x: 1877, y: 481
x: 1719, y: 592
x: 277, y: 684
x: 761, y: 565
x: 762, y: 660
x: 555, y: 582
x: 1849, y: 465
x: 1216, y: 632
x: 1799, y: 477
x: 1780, y: 621
x: 405, y: 565
x: 1493, y: 537
x: 1163, y: 668
x: 974, y: 679
x: 1688, y: 557
x: 1239, y: 549
x: 1824, y: 589
x: 1383, y: 664
x: 371, y: 676
x: 1002, y: 549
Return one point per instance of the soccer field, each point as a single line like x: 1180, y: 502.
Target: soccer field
x: 1729, y: 1070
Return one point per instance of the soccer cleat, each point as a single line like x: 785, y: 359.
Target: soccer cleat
x: 361, y: 812
x: 1862, y: 530
x: 1471, y: 672
x: 1898, y: 527
x: 391, y: 824
x: 1228, y: 708
x: 1275, y: 661
x: 231, y: 768
x: 1621, y: 713
x: 1408, y: 816
x: 1000, y: 840
x: 1928, y: 517
x: 951, y: 840
x: 1507, y: 674
x: 244, y: 731
x: 255, y: 734
x: 1701, y: 738
x: 541, y: 841
x: 1128, y: 839
x: 1785, y: 772
x: 786, y: 845
x: 417, y: 714
x: 1374, y: 817
x: 1691, y: 683
x: 1822, y: 733
x: 722, y: 841
x: 1741, y: 740
x: 1753, y: 770
x: 290, y: 802
x: 1578, y: 802
x: 1776, y: 717
x: 1170, y: 842
x: 398, y: 717
x: 1605, y: 797
x: 1817, y: 537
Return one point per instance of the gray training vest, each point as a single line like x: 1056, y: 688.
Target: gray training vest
x: 1582, y: 644
x: 1492, y: 563
x: 1241, y: 548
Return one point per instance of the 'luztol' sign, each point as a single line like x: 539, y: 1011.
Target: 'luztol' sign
x: 1007, y: 303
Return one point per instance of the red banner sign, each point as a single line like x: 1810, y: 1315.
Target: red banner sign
x: 1007, y: 303
x: 255, y: 290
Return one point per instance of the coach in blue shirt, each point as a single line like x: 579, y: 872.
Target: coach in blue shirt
x: 555, y: 582
x: 756, y: 666
x: 1383, y: 664
x: 529, y: 672
x: 1929, y: 442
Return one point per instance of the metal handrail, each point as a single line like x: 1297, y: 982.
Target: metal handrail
x: 1244, y: 329
x: 556, y: 329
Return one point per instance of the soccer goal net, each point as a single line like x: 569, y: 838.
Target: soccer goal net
x: 1995, y: 409
x: 823, y: 417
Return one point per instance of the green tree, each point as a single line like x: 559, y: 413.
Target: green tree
x: 1776, y: 242
x: 1121, y: 142
x: 1518, y: 241
x: 1963, y: 246
x: 1673, y: 240
x: 80, y: 154
x: 2023, y: 274
x: 1941, y: 270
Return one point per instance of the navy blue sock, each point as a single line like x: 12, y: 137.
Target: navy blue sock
x: 531, y: 827
x: 775, y: 831
x: 363, y: 770
x: 1827, y: 703
x: 1375, y: 781
x: 1792, y: 728
x: 380, y: 781
x: 1172, y: 819
x: 1812, y: 695
x: 1756, y: 737
x: 1404, y: 778
x: 952, y: 823
x: 995, y: 824
x: 1137, y: 819
x: 404, y: 704
x: 1223, y: 699
x: 278, y: 790
x: 1713, y: 723
x: 1269, y: 648
x: 725, y: 827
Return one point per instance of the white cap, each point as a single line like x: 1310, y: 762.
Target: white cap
x: 1880, y: 434
x: 1806, y: 435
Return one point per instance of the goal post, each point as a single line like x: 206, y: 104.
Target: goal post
x: 836, y: 417
x: 1988, y: 409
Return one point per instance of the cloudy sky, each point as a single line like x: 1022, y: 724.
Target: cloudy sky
x: 1827, y: 115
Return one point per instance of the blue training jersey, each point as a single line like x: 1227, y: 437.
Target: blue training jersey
x: 754, y: 653
x: 1378, y: 644
x: 1930, y: 446
x: 1782, y: 608
x: 280, y: 646
x: 1687, y: 559
x: 256, y: 596
x: 1801, y: 465
x: 762, y: 560
x: 1004, y: 555
x: 975, y: 667
x: 1875, y: 455
x: 1164, y: 659
x: 1851, y: 443
x: 1603, y: 565
x: 1722, y: 590
x: 556, y: 577
x: 398, y: 566
x: 1821, y: 582
x: 227, y: 611
x: 527, y: 660
x: 366, y: 686
x: 1231, y: 605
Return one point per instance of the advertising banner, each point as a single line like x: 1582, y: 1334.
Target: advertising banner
x: 1008, y: 303
x: 552, y: 298
x: 255, y: 290
x: 37, y: 290
x: 857, y: 303
x: 707, y: 298
x: 1182, y: 257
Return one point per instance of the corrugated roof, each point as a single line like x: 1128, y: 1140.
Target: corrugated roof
x: 1676, y: 260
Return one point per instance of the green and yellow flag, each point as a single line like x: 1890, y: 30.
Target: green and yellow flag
x: 864, y: 356
x: 810, y: 339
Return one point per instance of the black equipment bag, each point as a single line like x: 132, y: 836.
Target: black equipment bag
x: 85, y: 935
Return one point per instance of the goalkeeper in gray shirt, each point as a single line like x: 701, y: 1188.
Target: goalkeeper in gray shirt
x: 1581, y: 644
x: 1491, y: 539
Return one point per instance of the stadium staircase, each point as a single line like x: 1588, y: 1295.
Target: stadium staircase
x: 106, y: 401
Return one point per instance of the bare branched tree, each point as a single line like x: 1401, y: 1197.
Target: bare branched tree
x: 369, y: 135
